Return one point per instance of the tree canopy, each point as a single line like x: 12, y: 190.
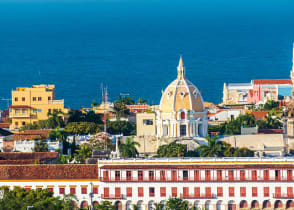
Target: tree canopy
x: 39, y: 199
x: 128, y: 149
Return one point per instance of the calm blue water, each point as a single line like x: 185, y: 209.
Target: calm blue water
x: 133, y: 46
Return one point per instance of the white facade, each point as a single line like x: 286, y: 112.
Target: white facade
x: 223, y: 183
x: 24, y: 146
x: 226, y: 114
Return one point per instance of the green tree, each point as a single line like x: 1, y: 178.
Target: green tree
x: 126, y: 128
x: 177, y: 204
x: 141, y: 101
x: 172, y: 150
x: 104, y: 205
x: 84, y: 152
x: 158, y: 206
x: 243, y: 152
x: 41, y: 145
x: 82, y: 128
x: 60, y: 135
x: 128, y: 149
x: 214, y: 148
x: 55, y: 119
x: 40, y: 199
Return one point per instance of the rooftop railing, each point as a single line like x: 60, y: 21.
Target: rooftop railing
x: 181, y: 179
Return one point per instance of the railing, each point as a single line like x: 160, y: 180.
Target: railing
x: 61, y: 101
x: 199, y: 196
x: 120, y: 196
x: 285, y: 195
x: 181, y: 179
x: 15, y: 115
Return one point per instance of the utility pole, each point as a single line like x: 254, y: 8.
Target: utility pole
x: 104, y: 101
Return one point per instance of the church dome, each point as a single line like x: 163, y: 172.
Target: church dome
x: 181, y: 94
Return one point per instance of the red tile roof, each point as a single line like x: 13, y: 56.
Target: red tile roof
x: 137, y: 108
x: 27, y: 155
x: 31, y: 134
x: 258, y: 114
x: 68, y: 171
x: 218, y: 111
x: 270, y: 131
x: 272, y: 81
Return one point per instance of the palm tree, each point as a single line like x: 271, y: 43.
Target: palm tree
x: 55, y: 118
x: 213, y: 149
x: 128, y: 149
x: 141, y: 101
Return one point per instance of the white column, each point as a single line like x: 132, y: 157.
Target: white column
x: 197, y: 128
x: 187, y: 129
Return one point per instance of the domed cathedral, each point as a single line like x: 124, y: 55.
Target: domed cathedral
x: 181, y: 111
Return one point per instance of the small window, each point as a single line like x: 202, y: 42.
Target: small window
x: 61, y: 190
x: 34, y: 99
x: 15, y: 99
x: 84, y: 190
x: 23, y: 123
x: 39, y: 110
x: 49, y: 98
x: 23, y: 111
x: 23, y: 98
x: 151, y: 192
x: 95, y: 190
x: 185, y: 174
x: 148, y: 122
x: 49, y: 110
x: 39, y: 98
x: 183, y: 115
x: 16, y: 123
x: 35, y: 110
x: 72, y: 190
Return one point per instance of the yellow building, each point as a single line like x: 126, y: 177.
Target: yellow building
x: 30, y: 104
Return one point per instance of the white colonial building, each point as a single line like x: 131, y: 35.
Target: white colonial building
x: 207, y: 183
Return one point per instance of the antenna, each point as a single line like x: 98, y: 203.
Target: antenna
x: 104, y: 101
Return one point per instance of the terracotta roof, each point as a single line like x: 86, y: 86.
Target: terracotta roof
x: 137, y: 108
x: 212, y: 114
x: 197, y: 166
x: 27, y: 155
x: 4, y: 125
x: 270, y: 131
x: 258, y: 114
x: 207, y: 104
x: 19, y: 106
x: 31, y: 134
x: 272, y: 81
x: 68, y: 171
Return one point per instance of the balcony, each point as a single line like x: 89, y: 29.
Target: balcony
x: 187, y: 179
x: 199, y: 196
x: 56, y: 101
x: 120, y: 196
x: 285, y: 195
x: 19, y: 115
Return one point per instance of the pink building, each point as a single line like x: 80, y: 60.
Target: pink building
x: 269, y: 89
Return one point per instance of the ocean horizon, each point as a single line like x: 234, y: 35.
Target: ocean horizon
x: 133, y: 47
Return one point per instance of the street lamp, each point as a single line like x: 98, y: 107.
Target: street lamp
x: 91, y: 194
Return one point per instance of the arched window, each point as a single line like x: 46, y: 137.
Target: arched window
x: 183, y: 115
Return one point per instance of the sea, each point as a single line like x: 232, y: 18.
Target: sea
x: 132, y: 47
